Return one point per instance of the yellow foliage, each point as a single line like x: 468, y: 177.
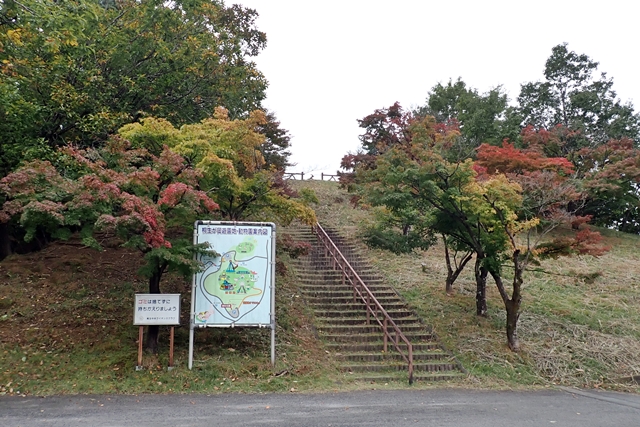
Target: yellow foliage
x: 15, y: 36
x: 227, y: 152
x: 520, y: 226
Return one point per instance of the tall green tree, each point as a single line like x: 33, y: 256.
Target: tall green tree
x: 573, y: 95
x: 277, y: 141
x: 74, y: 71
x: 482, y: 118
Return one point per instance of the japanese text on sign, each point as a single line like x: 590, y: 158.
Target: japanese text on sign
x: 153, y: 309
x: 243, y: 231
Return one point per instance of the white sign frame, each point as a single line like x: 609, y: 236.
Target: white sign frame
x: 156, y: 309
x: 236, y: 288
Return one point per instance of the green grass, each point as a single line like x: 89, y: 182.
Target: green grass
x: 77, y: 337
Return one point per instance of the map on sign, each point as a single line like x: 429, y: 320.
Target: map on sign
x: 235, y: 287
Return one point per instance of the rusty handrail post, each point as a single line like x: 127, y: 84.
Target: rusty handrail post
x: 385, y: 338
x: 410, y: 347
x: 368, y: 310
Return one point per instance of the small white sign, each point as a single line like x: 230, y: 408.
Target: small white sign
x: 156, y: 309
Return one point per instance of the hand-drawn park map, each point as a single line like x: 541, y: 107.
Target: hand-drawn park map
x: 235, y: 287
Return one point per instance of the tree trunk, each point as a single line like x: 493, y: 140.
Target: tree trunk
x: 5, y: 241
x: 512, y: 305
x: 481, y: 287
x: 452, y: 275
x: 448, y: 286
x: 513, y: 313
x: 153, y: 331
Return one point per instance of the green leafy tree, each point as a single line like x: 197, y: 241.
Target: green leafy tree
x: 72, y: 72
x: 481, y: 118
x: 276, y: 143
x: 572, y: 96
x: 228, y: 154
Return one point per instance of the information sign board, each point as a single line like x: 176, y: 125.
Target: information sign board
x: 156, y: 309
x: 235, y: 288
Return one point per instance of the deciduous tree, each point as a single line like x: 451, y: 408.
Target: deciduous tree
x: 611, y: 178
x: 481, y: 118
x: 227, y: 153
x: 502, y: 208
x: 146, y: 200
x: 73, y: 72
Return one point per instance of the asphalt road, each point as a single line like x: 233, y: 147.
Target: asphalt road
x: 565, y: 407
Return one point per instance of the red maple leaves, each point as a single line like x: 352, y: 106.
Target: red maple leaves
x: 129, y: 192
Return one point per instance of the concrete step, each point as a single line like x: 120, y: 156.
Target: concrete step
x: 392, y: 356
x: 362, y: 319
x: 402, y: 376
x: 347, y: 296
x: 370, y: 337
x: 338, y: 292
x: 342, y: 322
x: 336, y: 275
x: 361, y: 347
x: 366, y: 328
x: 328, y: 313
x: 421, y: 366
x: 330, y: 286
x: 350, y: 305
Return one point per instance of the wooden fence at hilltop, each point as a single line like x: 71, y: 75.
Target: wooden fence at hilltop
x: 301, y: 175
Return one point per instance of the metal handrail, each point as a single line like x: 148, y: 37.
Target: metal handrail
x: 374, y: 308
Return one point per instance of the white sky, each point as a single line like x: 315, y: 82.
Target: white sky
x: 332, y: 62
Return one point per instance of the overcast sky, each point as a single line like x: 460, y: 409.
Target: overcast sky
x: 332, y: 62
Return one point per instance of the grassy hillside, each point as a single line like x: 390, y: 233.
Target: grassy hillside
x: 66, y: 323
x: 66, y: 317
x: 580, y: 324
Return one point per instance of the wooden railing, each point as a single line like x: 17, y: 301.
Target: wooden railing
x: 293, y: 175
x: 329, y: 177
x: 390, y: 330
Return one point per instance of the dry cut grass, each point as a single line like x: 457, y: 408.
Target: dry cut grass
x: 580, y: 322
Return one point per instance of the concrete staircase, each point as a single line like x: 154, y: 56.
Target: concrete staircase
x: 342, y: 323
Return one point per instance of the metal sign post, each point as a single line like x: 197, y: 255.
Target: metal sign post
x: 236, y: 288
